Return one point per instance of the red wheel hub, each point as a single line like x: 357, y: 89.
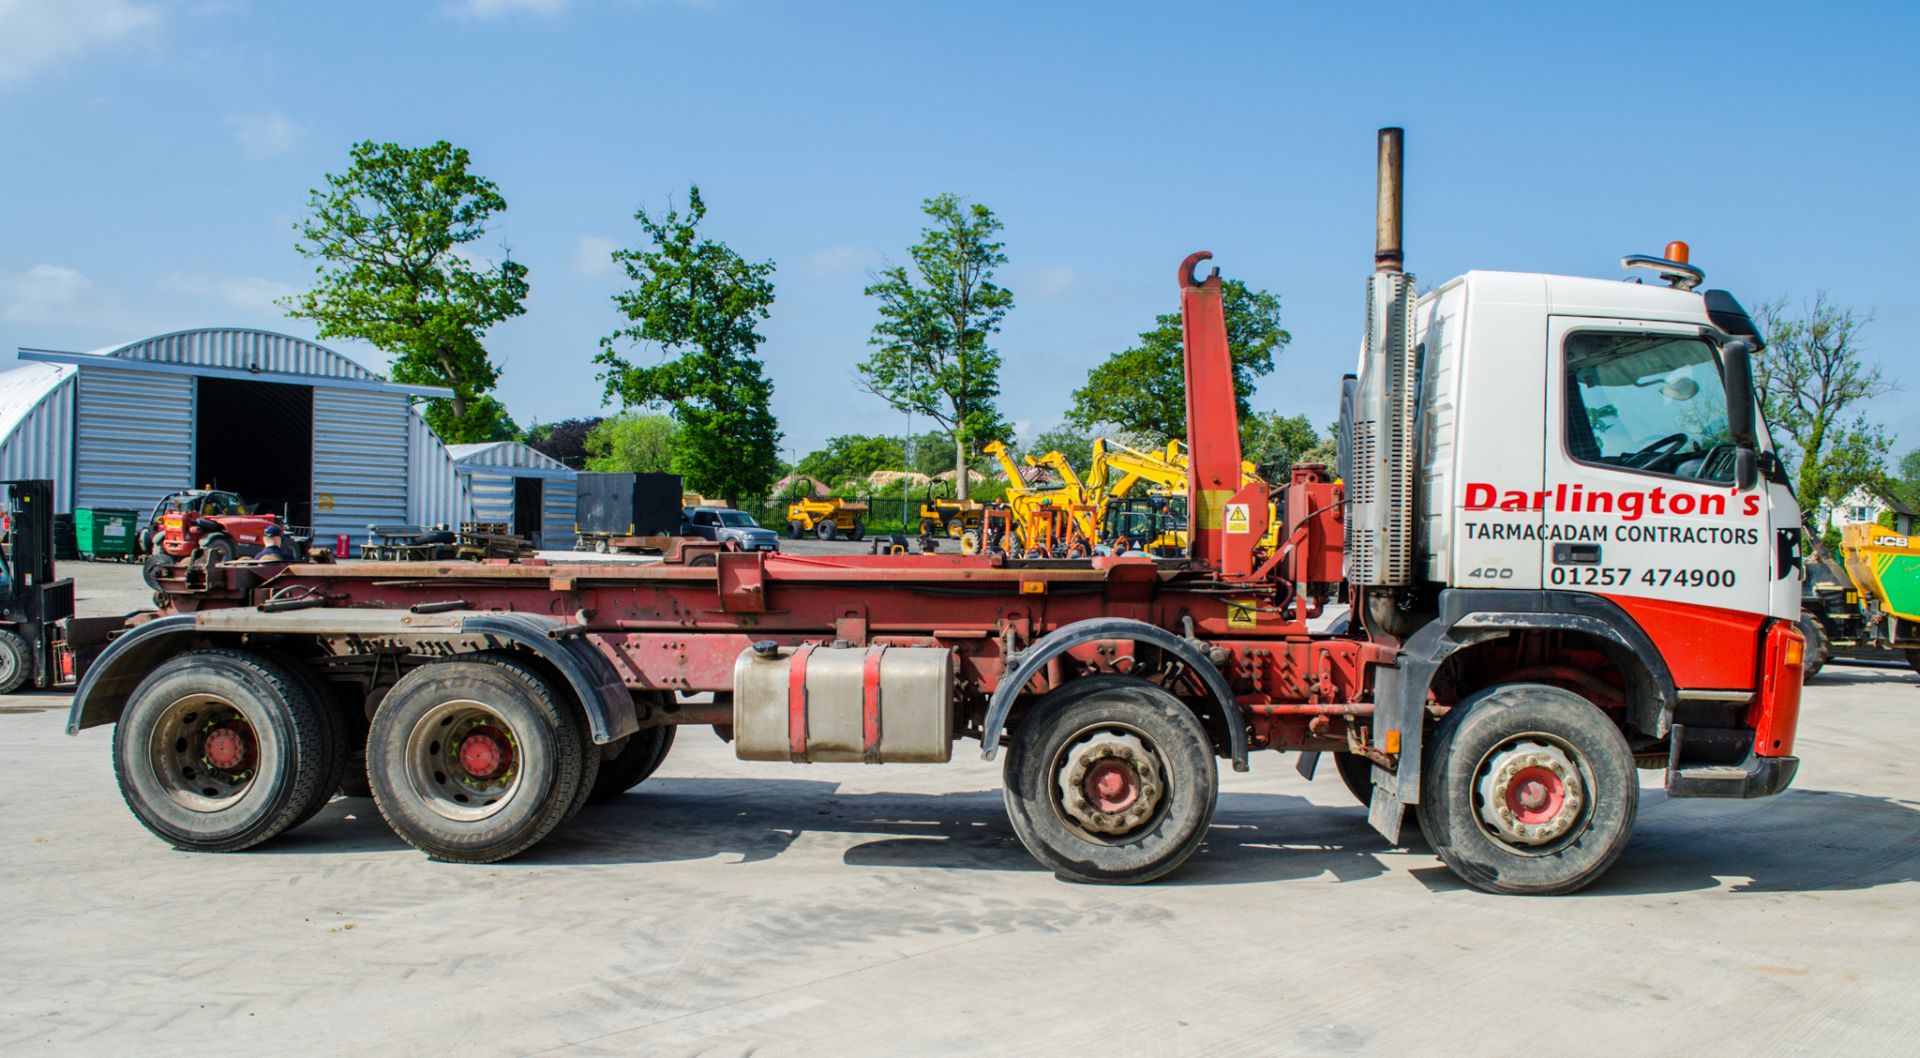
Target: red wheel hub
x: 1112, y: 786
x: 486, y: 753
x: 229, y: 746
x: 1536, y: 795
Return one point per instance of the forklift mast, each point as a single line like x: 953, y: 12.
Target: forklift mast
x: 30, y: 533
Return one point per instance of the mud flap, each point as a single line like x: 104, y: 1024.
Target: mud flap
x: 1308, y: 763
x: 1399, y: 719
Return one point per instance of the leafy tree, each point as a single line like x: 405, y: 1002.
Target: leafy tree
x: 700, y: 302
x: 1142, y: 391
x: 1076, y: 445
x: 631, y: 442
x: 931, y: 351
x: 1810, y: 377
x: 386, y: 239
x: 565, y: 440
x: 1270, y: 438
x: 486, y: 419
x: 852, y: 456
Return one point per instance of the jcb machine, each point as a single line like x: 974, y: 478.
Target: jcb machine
x: 951, y: 517
x: 1564, y: 539
x: 826, y: 519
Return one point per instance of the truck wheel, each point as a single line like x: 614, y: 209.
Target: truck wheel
x: 1815, y: 657
x: 476, y: 759
x: 156, y: 563
x: 955, y: 527
x: 219, y: 750
x: 796, y: 529
x: 632, y: 764
x: 859, y: 529
x: 219, y: 549
x: 602, y: 545
x: 340, y: 730
x: 1356, y: 773
x: 927, y: 526
x: 824, y: 530
x: 1913, y: 658
x: 1528, y: 789
x: 16, y: 661
x: 969, y: 543
x: 1113, y: 782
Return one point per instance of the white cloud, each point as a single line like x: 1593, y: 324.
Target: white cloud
x: 834, y: 262
x: 36, y: 35
x: 265, y: 135
x: 592, y: 255
x: 504, y: 8
x: 1052, y: 284
x: 252, y: 295
x: 44, y: 294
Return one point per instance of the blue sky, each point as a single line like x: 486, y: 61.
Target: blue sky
x: 154, y: 156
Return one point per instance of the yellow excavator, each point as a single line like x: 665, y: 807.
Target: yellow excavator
x: 1059, y: 521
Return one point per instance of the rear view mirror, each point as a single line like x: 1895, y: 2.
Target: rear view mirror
x: 1738, y: 358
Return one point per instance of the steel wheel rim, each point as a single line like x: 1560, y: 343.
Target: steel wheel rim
x: 203, y: 752
x: 9, y: 664
x: 438, y: 772
x: 1106, y: 751
x: 1500, y: 787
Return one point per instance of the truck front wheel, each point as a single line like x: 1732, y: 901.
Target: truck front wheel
x: 1528, y: 789
x: 476, y: 759
x: 1113, y: 783
x: 219, y: 750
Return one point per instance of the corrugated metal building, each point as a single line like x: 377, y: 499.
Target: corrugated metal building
x: 532, y: 492
x: 291, y: 425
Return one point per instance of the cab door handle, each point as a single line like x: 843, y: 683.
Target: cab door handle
x: 1576, y: 554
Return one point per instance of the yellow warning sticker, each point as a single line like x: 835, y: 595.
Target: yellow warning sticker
x: 1241, y: 613
x: 1239, y: 518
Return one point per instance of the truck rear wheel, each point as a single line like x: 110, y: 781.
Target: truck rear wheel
x: 1113, y: 782
x: 1528, y: 789
x: 859, y: 530
x: 476, y: 759
x: 220, y: 750
x: 824, y: 530
x: 632, y: 764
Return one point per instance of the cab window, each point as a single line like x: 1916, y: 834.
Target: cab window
x: 1650, y: 403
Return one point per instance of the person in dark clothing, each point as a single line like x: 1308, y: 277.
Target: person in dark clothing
x: 277, y: 548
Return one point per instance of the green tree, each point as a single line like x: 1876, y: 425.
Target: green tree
x: 851, y: 457
x: 1142, y: 391
x: 386, y: 238
x: 699, y: 302
x: 932, y: 354
x: 486, y: 419
x: 632, y: 442
x: 1272, y: 439
x: 1810, y: 378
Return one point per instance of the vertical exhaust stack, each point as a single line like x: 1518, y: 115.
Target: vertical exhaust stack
x: 1386, y: 213
x: 1383, y: 454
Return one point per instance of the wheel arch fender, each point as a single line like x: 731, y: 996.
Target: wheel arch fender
x: 1030, y: 662
x: 604, y: 697
x: 107, y: 684
x: 1471, y: 616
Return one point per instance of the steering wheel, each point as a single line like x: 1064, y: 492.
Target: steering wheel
x: 1665, y: 446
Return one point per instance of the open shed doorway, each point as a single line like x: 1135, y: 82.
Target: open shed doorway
x: 529, y: 495
x: 256, y: 439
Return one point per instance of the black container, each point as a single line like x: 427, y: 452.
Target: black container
x: 628, y: 504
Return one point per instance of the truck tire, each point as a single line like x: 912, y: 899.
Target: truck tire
x: 475, y: 759
x: 156, y: 563
x: 601, y: 545
x: 1913, y: 658
x: 1817, y: 651
x: 859, y: 530
x: 1356, y: 774
x: 927, y: 526
x: 219, y: 750
x: 824, y: 530
x: 1112, y: 782
x: 16, y: 661
x: 339, y: 729
x: 955, y: 527
x: 1528, y: 789
x: 637, y: 758
x: 796, y: 529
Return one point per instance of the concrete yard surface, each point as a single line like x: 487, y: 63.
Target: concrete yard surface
x: 726, y: 908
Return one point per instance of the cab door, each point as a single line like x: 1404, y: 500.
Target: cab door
x: 1641, y: 503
